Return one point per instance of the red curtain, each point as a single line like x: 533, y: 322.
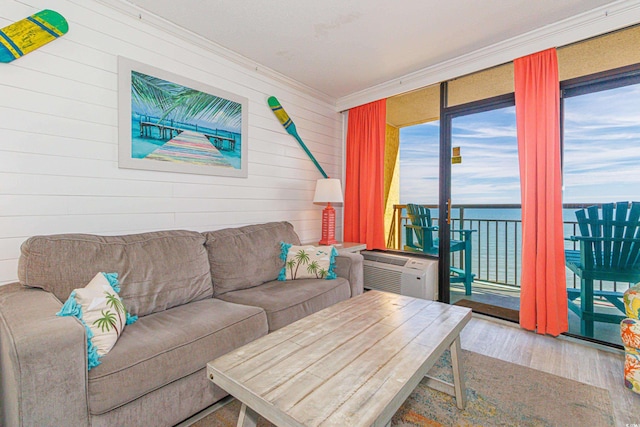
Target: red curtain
x: 364, y: 184
x: 543, y: 297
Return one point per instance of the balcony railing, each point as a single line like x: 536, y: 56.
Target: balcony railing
x: 497, y: 244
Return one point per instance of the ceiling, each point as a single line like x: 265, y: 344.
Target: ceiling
x: 340, y: 47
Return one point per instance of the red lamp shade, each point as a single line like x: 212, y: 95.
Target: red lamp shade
x: 328, y: 191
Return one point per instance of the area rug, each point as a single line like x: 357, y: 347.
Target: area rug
x: 490, y: 310
x: 499, y: 394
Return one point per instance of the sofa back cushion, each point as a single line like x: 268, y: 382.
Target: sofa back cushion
x: 157, y: 270
x: 245, y: 257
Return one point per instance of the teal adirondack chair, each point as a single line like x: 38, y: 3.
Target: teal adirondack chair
x: 420, y: 238
x: 609, y: 250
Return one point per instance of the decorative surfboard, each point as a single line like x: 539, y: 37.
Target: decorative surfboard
x: 30, y: 33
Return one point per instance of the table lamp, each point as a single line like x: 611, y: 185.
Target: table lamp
x: 328, y: 191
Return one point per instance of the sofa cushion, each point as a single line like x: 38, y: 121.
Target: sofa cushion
x: 245, y: 257
x: 157, y: 270
x: 290, y: 301
x: 164, y: 347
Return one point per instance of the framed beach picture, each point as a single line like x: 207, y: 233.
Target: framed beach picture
x: 170, y: 123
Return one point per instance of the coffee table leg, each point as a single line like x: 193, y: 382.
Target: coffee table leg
x: 248, y: 417
x: 458, y: 373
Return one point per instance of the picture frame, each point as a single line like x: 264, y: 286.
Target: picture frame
x: 170, y: 123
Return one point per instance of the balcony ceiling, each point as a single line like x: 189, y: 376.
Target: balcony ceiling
x: 340, y: 47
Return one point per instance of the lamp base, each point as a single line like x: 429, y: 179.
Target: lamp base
x: 328, y: 226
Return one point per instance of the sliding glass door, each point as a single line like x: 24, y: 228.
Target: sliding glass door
x: 465, y: 169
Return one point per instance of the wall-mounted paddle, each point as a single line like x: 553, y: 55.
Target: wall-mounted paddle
x: 290, y: 127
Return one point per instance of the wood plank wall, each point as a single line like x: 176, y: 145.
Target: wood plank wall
x: 58, y: 138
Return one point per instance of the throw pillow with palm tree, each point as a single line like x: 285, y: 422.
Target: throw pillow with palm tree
x: 102, y: 312
x: 307, y: 262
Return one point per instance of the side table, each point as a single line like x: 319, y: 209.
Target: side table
x: 343, y: 247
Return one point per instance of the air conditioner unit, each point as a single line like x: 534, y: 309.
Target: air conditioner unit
x: 405, y: 275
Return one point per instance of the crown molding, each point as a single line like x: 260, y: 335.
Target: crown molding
x: 595, y: 22
x: 139, y: 14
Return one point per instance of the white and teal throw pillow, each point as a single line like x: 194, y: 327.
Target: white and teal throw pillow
x: 100, y: 309
x: 307, y: 262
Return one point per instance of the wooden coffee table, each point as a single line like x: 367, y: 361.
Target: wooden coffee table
x: 352, y: 364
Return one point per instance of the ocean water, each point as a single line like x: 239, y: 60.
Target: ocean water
x: 501, y: 214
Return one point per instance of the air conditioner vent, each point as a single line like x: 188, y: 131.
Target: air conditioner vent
x: 416, y: 277
x: 382, y: 279
x: 385, y: 259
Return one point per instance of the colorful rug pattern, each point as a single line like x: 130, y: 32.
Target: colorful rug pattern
x: 499, y: 394
x: 190, y: 147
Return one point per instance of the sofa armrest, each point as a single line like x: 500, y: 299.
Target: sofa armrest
x: 350, y: 266
x: 43, y: 359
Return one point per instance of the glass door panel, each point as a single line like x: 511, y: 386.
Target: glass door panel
x: 600, y: 166
x: 485, y: 225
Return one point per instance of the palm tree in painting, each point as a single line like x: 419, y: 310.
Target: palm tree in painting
x: 116, y: 304
x: 148, y: 90
x: 302, y: 258
x: 322, y: 273
x: 191, y: 103
x: 182, y: 101
x: 106, y: 322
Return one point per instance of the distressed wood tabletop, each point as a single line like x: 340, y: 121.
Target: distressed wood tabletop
x: 352, y: 364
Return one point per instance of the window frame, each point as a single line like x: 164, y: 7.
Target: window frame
x: 591, y: 83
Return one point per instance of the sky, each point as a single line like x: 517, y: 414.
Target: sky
x: 601, y: 153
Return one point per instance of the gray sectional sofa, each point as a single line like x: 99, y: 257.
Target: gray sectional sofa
x: 197, y: 296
